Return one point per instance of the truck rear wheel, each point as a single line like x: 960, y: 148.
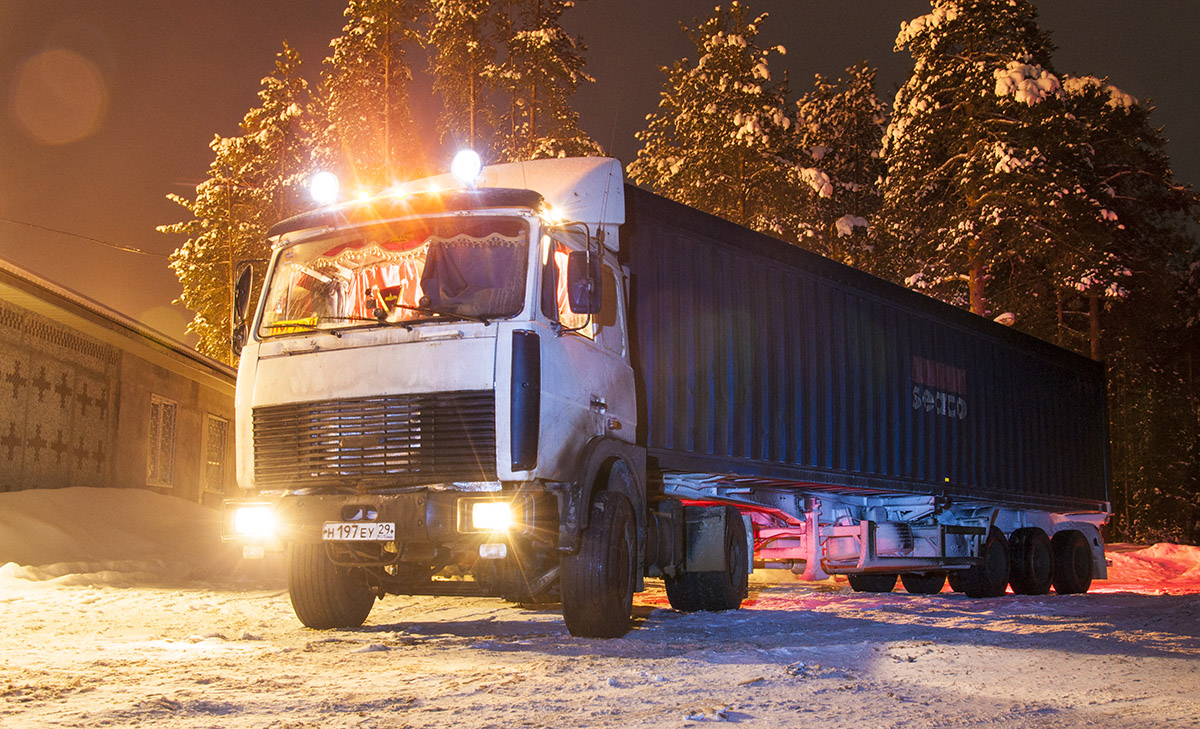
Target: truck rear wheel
x: 928, y: 584
x: 1072, y: 563
x: 597, y: 581
x: 1031, y: 562
x: 325, y: 595
x: 872, y: 582
x: 716, y: 591
x: 990, y: 577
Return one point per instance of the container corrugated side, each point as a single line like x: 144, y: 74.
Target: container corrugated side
x: 756, y: 358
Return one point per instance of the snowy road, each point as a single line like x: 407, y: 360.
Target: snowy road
x: 142, y: 618
x: 801, y: 655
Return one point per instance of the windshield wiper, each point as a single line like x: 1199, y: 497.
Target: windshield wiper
x: 450, y: 315
x: 311, y: 324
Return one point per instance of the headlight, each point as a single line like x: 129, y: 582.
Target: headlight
x: 491, y: 516
x: 254, y: 521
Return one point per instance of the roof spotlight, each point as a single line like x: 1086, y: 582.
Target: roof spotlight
x: 466, y: 167
x: 324, y: 188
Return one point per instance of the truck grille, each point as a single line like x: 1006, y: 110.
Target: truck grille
x: 400, y: 439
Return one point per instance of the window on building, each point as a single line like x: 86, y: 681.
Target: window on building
x: 214, y: 454
x: 160, y: 468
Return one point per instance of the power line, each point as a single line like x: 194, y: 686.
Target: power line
x: 119, y: 247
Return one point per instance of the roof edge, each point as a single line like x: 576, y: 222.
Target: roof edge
x: 123, y: 321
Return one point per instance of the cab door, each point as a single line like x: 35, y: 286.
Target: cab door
x: 587, y: 381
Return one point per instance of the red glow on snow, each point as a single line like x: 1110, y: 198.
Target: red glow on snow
x: 1162, y: 569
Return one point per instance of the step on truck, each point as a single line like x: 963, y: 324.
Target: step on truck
x: 539, y: 383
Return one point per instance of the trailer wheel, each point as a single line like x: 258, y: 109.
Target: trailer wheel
x: 927, y: 584
x: 597, y: 581
x: 872, y: 583
x: 1031, y: 562
x: 325, y: 595
x: 1072, y: 563
x: 990, y: 577
x: 716, y: 591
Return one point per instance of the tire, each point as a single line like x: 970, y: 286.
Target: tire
x: 323, y: 594
x: 872, y: 583
x: 990, y: 577
x: 957, y: 580
x: 927, y: 584
x: 1031, y: 562
x: 716, y: 591
x: 597, y: 582
x: 1072, y: 563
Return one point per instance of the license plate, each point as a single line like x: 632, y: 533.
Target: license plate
x: 358, y: 531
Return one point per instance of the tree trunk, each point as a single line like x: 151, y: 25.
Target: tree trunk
x: 1094, y: 321
x: 387, y: 106
x: 1058, y: 332
x: 976, y: 280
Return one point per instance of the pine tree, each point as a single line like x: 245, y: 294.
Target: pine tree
x: 724, y: 132
x: 254, y: 180
x: 840, y: 126
x: 1143, y: 332
x: 986, y: 174
x: 225, y: 228
x: 1008, y: 188
x: 541, y: 72
x: 368, y: 134
x: 463, y: 36
x: 281, y: 132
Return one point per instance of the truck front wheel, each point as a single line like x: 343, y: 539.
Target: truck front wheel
x: 716, y: 591
x: 325, y: 595
x: 597, y: 581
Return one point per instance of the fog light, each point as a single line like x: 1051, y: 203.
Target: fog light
x: 254, y: 521
x: 493, y: 551
x: 491, y: 516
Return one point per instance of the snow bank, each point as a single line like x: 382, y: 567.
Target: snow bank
x: 108, y: 536
x: 1162, y: 568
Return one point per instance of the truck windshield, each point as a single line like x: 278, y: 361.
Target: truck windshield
x: 402, y: 272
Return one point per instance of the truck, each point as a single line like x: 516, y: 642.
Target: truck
x: 540, y: 383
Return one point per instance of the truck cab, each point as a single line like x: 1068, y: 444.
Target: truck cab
x: 435, y: 395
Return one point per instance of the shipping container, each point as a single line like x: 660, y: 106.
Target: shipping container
x: 757, y: 358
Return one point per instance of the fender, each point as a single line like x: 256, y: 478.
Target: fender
x: 596, y: 461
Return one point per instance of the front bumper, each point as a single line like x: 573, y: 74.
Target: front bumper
x: 421, y: 516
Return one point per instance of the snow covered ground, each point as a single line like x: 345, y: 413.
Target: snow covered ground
x: 120, y: 608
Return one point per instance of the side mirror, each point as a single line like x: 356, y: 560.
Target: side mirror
x: 241, y: 308
x: 583, y: 282
x: 241, y: 294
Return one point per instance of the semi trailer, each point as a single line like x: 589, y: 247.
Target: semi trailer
x: 539, y: 383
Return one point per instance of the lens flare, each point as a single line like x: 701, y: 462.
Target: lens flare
x: 59, y: 97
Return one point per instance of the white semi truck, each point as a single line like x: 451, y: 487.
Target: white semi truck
x: 542, y: 384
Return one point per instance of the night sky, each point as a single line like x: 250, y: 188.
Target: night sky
x: 148, y: 83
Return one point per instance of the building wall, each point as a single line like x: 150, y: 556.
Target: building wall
x: 91, y: 398
x: 57, y: 404
x: 164, y: 433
